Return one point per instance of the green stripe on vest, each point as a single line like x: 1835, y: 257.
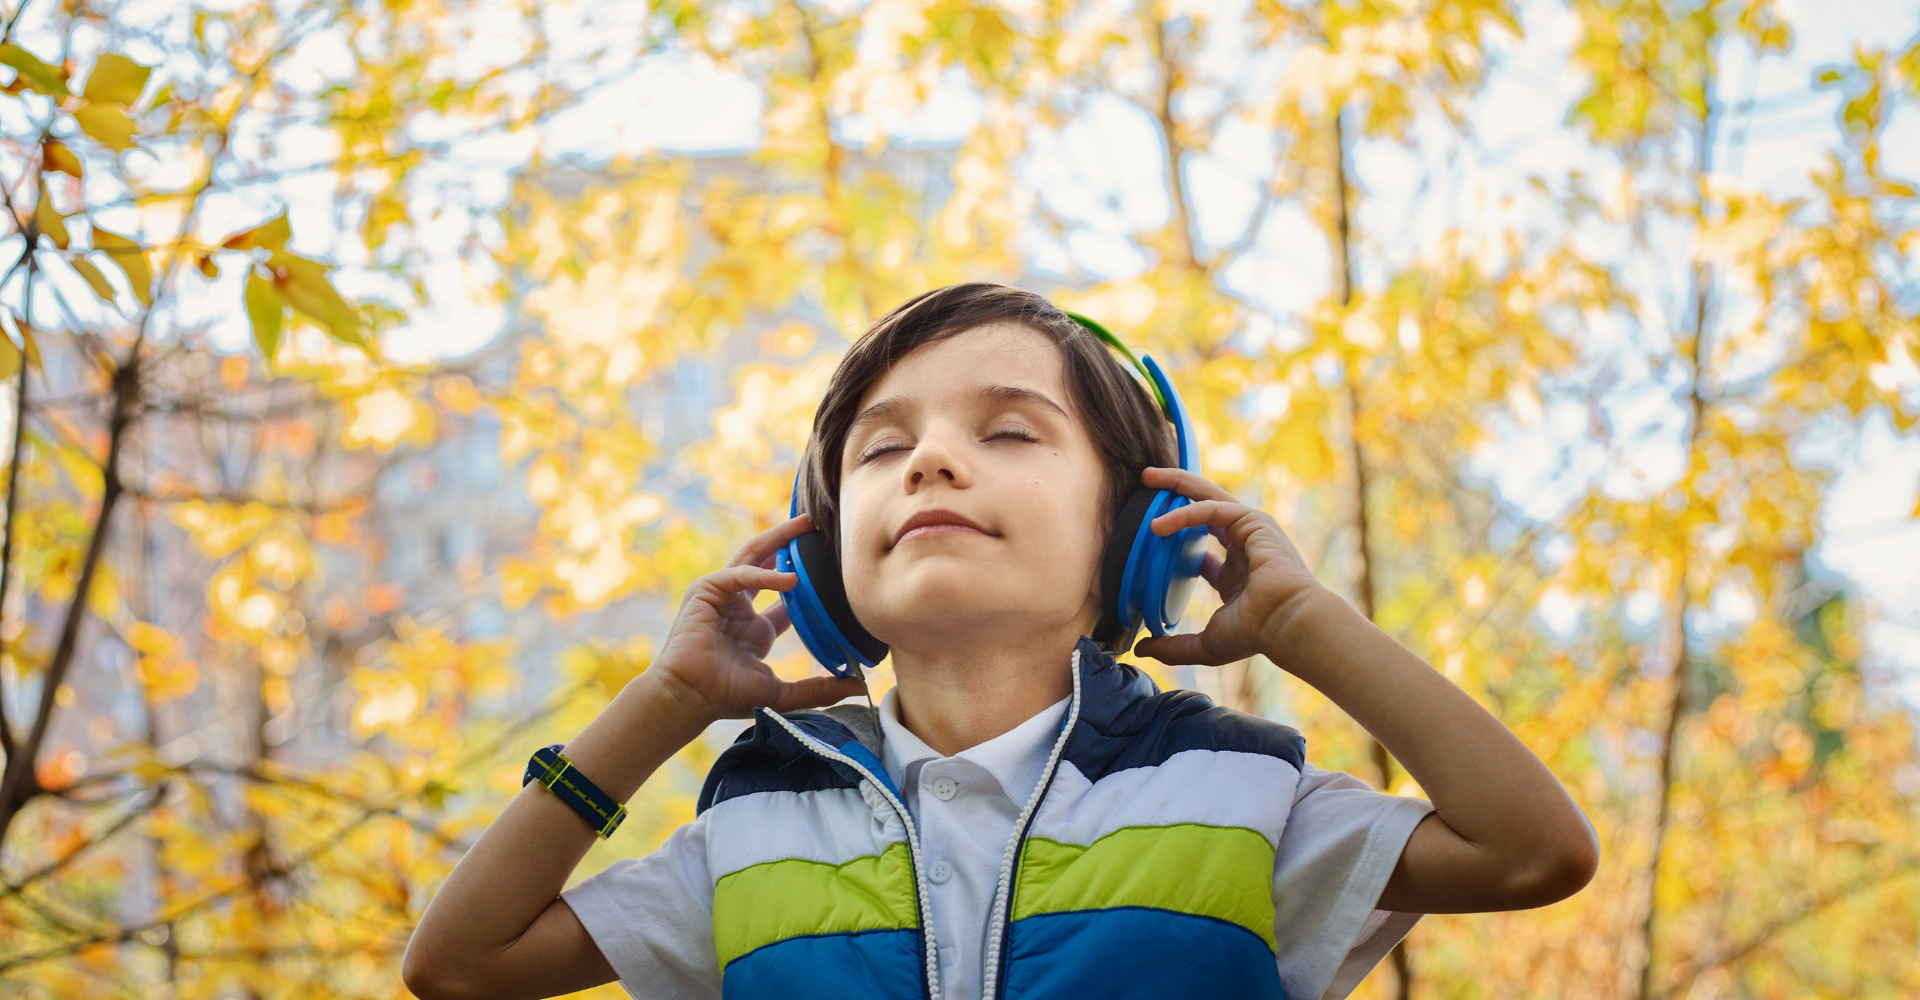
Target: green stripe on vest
x: 1223, y: 872
x: 776, y: 900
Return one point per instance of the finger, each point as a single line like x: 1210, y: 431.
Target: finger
x: 778, y: 617
x: 747, y: 580
x: 762, y: 546
x: 1188, y: 484
x: 818, y: 692
x: 1176, y: 650
x: 1210, y: 569
x: 1216, y: 515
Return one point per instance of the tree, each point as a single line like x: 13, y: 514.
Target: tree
x: 284, y: 606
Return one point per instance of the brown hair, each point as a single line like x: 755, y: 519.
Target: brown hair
x: 1127, y: 427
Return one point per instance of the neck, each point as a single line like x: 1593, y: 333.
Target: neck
x: 959, y: 695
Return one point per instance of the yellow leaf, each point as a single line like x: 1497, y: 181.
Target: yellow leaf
x: 132, y: 260
x: 268, y: 313
x: 9, y: 358
x: 116, y: 78
x: 151, y: 639
x: 57, y: 157
x: 52, y: 224
x: 34, y: 72
x: 272, y: 235
x: 167, y: 679
x: 95, y: 280
x: 219, y: 528
x: 303, y: 283
x: 107, y: 123
x: 104, y: 598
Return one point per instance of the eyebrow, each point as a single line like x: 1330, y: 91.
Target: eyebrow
x: 888, y: 407
x: 893, y: 405
x: 1016, y: 394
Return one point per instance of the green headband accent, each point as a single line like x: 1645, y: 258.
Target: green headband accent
x: 1114, y: 342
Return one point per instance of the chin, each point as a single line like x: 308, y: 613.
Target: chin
x: 937, y: 600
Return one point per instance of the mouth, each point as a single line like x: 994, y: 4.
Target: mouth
x: 938, y: 522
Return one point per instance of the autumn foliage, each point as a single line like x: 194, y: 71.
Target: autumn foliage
x: 287, y: 598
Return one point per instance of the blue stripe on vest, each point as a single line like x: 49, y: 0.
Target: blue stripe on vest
x: 865, y: 965
x: 1136, y: 953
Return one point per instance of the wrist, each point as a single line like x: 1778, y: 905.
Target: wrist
x: 1290, y: 632
x: 668, y: 705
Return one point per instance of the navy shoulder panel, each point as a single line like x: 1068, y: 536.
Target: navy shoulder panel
x: 1125, y: 722
x: 768, y: 758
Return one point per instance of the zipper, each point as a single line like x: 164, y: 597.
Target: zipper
x: 997, y: 938
x: 932, y: 957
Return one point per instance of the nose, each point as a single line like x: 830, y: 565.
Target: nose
x: 935, y: 458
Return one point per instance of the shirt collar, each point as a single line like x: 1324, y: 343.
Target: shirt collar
x: 1015, y: 758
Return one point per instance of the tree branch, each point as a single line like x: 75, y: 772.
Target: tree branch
x: 19, y: 784
x: 1810, y: 908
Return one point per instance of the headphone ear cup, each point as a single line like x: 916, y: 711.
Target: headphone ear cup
x: 823, y: 577
x: 1117, y: 621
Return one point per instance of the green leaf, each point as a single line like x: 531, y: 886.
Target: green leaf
x: 268, y: 311
x: 116, y: 78
x: 130, y: 258
x: 52, y: 224
x: 303, y: 283
x: 108, y: 123
x: 271, y: 235
x: 34, y: 72
x: 95, y: 280
x: 57, y: 157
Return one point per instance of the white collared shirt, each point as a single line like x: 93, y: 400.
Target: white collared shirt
x: 965, y: 808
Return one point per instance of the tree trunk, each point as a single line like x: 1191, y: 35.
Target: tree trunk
x: 1363, y: 586
x: 1678, y: 603
x: 19, y: 784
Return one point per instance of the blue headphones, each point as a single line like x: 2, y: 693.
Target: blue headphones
x: 1145, y: 579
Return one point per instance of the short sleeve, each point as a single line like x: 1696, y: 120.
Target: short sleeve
x: 652, y: 918
x: 1339, y: 847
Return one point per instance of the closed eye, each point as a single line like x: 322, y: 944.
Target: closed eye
x: 881, y: 449
x: 1013, y: 433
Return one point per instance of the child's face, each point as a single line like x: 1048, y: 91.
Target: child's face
x: 976, y: 427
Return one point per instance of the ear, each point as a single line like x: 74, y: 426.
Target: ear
x: 1112, y: 628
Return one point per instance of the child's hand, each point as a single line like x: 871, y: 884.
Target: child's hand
x: 711, y: 662
x: 1262, y: 579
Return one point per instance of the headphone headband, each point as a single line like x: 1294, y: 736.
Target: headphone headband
x: 1112, y: 341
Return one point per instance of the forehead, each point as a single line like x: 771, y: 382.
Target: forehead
x: 1000, y: 353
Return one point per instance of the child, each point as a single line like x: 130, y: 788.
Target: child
x: 1022, y: 817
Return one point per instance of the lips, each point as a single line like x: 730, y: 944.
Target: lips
x: 929, y: 522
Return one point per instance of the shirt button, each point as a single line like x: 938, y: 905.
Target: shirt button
x: 944, y: 788
x: 939, y: 872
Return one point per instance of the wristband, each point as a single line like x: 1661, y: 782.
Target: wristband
x: 558, y: 775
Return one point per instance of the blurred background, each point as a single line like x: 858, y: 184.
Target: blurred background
x: 377, y: 374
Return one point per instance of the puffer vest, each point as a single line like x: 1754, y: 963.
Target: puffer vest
x: 1141, y: 866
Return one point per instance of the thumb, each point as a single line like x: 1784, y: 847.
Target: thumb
x: 1187, y: 647
x: 818, y: 692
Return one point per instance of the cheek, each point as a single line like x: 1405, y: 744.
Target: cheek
x: 1065, y: 536
x: 864, y: 516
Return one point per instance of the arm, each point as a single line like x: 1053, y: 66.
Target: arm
x: 498, y: 928
x: 1503, y: 834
